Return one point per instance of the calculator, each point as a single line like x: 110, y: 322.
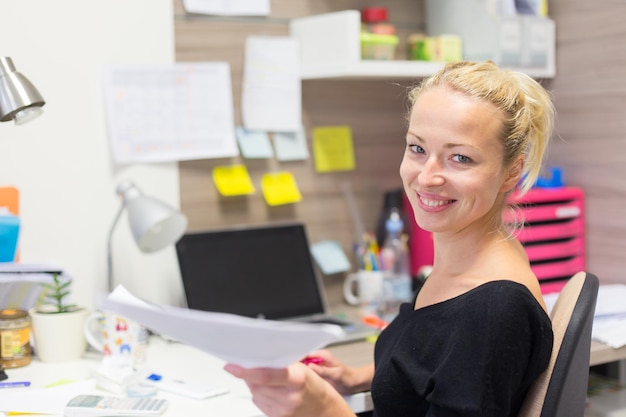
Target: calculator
x: 98, y: 405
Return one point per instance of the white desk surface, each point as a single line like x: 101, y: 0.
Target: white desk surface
x: 179, y: 361
x: 172, y: 360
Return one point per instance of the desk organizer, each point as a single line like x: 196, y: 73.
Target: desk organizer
x: 553, y: 234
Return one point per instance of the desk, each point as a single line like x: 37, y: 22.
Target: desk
x: 358, y: 353
x: 601, y: 353
x: 176, y: 360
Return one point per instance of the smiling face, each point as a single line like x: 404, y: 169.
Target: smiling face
x: 452, y: 170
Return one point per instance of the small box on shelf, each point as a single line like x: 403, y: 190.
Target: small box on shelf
x: 445, y: 48
x: 380, y: 47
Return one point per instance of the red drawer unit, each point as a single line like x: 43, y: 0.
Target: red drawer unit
x: 553, y: 234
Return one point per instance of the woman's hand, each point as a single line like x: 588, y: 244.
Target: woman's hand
x: 293, y: 391
x: 345, y: 379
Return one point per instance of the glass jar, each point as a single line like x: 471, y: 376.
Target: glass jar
x: 15, y: 349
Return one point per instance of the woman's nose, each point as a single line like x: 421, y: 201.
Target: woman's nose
x: 431, y: 173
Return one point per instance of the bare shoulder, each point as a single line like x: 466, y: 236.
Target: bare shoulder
x: 516, y: 267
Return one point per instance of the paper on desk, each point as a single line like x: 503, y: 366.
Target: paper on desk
x: 611, y: 300
x: 43, y: 400
x: 20, y: 283
x: 610, y: 330
x: 236, y: 339
x: 609, y: 323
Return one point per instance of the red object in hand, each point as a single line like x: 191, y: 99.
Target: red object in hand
x: 312, y: 359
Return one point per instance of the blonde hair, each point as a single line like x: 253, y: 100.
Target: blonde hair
x: 528, y: 112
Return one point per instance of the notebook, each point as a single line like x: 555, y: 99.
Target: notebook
x: 265, y: 272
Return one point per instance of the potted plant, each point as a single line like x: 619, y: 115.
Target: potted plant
x: 57, y: 325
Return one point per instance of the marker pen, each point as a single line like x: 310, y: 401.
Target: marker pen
x: 16, y: 384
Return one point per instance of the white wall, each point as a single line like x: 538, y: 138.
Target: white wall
x: 61, y: 162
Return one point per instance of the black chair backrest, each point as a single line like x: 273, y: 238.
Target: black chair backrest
x: 567, y: 391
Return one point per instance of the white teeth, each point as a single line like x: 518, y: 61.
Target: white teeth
x: 434, y: 203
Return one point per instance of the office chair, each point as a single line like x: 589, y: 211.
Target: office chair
x: 561, y: 391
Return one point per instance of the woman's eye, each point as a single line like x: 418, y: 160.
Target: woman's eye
x: 416, y: 149
x: 461, y: 158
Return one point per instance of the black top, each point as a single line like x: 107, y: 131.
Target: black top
x: 473, y: 355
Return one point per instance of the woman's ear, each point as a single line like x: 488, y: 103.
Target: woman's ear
x: 513, y: 175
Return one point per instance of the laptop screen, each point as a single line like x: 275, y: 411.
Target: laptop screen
x: 254, y: 272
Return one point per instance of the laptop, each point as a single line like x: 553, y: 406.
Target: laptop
x: 265, y: 272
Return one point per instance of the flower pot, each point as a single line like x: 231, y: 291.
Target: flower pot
x: 58, y: 337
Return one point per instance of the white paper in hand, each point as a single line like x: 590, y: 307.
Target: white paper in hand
x: 236, y: 339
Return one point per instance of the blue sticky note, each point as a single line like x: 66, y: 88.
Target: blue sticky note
x: 291, y: 146
x: 330, y: 257
x: 254, y: 144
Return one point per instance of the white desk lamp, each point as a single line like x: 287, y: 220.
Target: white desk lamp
x: 154, y: 224
x: 19, y: 99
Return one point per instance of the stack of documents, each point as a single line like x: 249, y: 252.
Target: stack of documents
x: 19, y: 283
x: 609, y: 323
x: 236, y: 339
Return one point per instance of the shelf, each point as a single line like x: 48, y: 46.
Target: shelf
x: 389, y: 69
x: 370, y: 69
x: 330, y: 48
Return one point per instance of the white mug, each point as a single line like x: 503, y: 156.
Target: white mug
x: 369, y: 290
x: 123, y: 342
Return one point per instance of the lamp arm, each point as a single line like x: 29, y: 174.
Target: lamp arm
x: 110, y: 251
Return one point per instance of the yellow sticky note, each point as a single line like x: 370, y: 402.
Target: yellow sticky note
x: 280, y: 188
x: 233, y: 180
x: 333, y: 149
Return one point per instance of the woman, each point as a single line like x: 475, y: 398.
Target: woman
x: 477, y: 335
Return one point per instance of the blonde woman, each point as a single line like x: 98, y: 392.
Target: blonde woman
x: 477, y: 334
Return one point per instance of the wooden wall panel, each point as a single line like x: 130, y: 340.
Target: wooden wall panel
x: 378, y: 135
x: 590, y: 96
x: 375, y: 110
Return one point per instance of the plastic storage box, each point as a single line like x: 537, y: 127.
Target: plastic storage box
x: 553, y: 235
x: 375, y: 46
